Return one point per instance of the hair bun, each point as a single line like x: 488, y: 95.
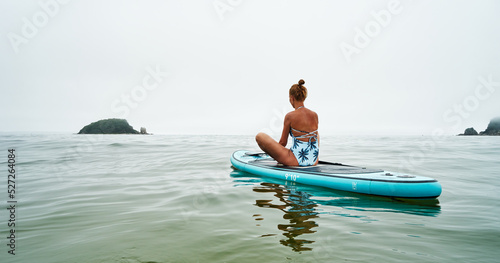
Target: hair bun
x: 301, y: 82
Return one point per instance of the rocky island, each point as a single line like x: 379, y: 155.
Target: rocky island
x: 493, y: 129
x: 110, y: 126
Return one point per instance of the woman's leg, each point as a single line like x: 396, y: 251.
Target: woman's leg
x: 277, y: 151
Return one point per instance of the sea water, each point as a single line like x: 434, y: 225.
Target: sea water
x: 163, y: 198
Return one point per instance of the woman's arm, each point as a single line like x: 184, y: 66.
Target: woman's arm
x: 286, y: 131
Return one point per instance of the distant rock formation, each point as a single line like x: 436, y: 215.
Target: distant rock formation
x: 470, y: 131
x: 493, y: 129
x: 144, y: 132
x: 109, y: 126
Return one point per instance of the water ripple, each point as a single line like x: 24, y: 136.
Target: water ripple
x: 176, y: 199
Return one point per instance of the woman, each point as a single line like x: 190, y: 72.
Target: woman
x: 302, y: 125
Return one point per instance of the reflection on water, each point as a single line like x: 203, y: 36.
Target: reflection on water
x: 302, y: 203
x: 298, y: 209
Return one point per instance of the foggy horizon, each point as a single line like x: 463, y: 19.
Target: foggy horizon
x: 225, y: 67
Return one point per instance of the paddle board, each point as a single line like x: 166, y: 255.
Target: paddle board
x: 341, y: 177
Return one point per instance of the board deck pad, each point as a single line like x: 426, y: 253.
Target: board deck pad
x: 322, y: 168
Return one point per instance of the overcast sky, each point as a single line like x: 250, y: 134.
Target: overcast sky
x: 225, y: 66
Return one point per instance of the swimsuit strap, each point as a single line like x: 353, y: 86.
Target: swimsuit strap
x: 310, y: 135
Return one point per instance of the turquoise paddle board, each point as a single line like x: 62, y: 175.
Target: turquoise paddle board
x: 341, y: 177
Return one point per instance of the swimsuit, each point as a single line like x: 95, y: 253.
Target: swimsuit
x: 306, y: 152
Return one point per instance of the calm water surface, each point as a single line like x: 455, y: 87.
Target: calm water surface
x: 124, y: 198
